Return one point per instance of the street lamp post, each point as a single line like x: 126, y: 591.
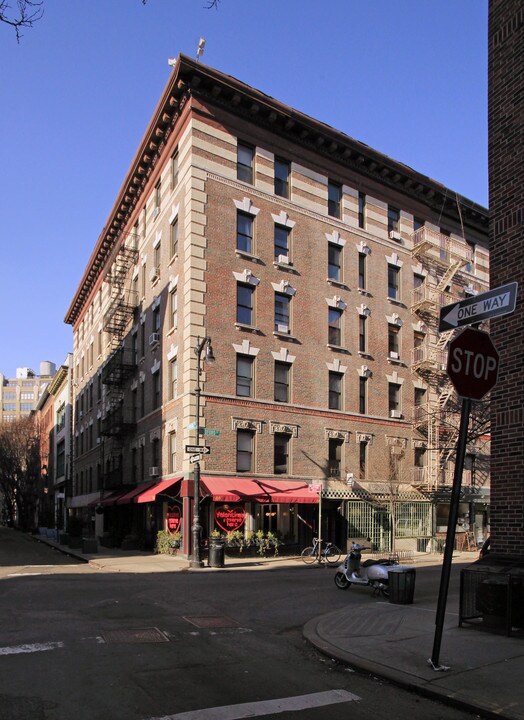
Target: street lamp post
x: 196, y: 527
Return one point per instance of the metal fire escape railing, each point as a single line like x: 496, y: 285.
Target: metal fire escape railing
x: 117, y: 420
x: 444, y: 258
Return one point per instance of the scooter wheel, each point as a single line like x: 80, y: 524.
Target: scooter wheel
x: 341, y: 581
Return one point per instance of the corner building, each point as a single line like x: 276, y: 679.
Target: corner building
x: 317, y: 267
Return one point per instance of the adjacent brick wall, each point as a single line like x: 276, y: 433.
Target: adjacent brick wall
x: 506, y: 174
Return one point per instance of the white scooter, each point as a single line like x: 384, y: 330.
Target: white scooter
x: 373, y: 573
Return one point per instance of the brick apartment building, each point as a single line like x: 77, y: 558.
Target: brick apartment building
x: 317, y: 267
x: 19, y: 395
x: 506, y: 182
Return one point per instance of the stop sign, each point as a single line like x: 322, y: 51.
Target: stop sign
x: 473, y: 363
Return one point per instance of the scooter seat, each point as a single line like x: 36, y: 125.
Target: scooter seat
x: 368, y: 563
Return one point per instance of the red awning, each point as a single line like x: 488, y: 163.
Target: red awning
x: 240, y: 489
x: 161, y: 487
x: 109, y: 499
x: 131, y: 495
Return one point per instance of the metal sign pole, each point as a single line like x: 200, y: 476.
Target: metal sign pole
x: 450, y: 534
x: 320, y: 525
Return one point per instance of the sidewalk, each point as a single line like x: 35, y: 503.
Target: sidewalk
x: 395, y: 642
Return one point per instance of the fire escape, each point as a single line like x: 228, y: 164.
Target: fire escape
x: 117, y: 420
x: 444, y: 259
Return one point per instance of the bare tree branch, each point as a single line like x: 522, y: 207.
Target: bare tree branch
x: 28, y: 12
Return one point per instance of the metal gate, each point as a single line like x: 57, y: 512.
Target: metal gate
x: 369, y: 521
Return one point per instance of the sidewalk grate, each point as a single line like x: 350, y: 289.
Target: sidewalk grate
x: 211, y: 621
x: 136, y: 635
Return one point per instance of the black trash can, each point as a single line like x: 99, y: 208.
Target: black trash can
x: 216, y: 553
x: 401, y: 584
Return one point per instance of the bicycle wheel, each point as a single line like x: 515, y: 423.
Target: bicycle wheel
x: 332, y: 554
x: 308, y: 555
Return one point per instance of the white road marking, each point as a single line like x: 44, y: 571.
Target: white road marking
x: 265, y: 707
x: 23, y: 574
x: 35, y: 647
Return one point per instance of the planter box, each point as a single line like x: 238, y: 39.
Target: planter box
x: 89, y: 546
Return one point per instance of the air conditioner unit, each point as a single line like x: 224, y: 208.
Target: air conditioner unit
x: 395, y: 414
x: 282, y: 328
x: 153, y: 471
x: 283, y: 259
x: 154, y: 274
x: 393, y: 355
x: 395, y: 235
x: 154, y: 339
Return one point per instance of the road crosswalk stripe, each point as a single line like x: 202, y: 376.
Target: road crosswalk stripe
x: 265, y: 707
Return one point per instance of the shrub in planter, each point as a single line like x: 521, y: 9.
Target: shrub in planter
x: 167, y: 543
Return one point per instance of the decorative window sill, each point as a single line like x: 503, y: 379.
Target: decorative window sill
x: 337, y: 283
x: 338, y: 348
x: 285, y: 336
x: 247, y: 256
x: 246, y: 328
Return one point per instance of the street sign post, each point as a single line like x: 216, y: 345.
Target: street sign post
x: 499, y: 301
x: 473, y: 364
x: 200, y: 449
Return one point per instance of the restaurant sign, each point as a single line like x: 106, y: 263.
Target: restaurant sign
x: 173, y: 519
x: 230, y: 518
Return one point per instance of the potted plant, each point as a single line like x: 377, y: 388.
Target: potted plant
x: 168, y: 543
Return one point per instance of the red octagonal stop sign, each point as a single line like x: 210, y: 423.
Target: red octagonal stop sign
x: 473, y: 363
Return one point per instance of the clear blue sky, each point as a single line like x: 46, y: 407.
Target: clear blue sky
x: 408, y: 77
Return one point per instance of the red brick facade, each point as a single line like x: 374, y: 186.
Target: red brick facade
x: 506, y: 179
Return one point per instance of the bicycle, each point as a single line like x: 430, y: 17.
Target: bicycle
x: 331, y: 553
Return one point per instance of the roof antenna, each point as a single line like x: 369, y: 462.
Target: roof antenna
x: 200, y: 48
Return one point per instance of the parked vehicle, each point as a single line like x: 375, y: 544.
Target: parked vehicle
x: 373, y: 573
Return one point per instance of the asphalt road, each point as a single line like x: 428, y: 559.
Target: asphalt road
x: 80, y: 644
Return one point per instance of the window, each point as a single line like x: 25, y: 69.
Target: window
x: 282, y: 169
x: 393, y: 282
x: 334, y: 199
x: 362, y: 458
x: 173, y: 378
x: 418, y: 339
x: 156, y: 319
x: 335, y: 391
x: 172, y: 451
x: 134, y: 468
x: 174, y: 237
x: 281, y: 453
x: 420, y: 457
x: 335, y: 457
x: 245, y: 158
x: 143, y: 340
x: 361, y: 210
x: 174, y: 169
x: 60, y: 459
x: 362, y: 394
x: 245, y: 366
x: 418, y: 280
x: 157, y: 395
x: 142, y: 399
x: 334, y: 262
x: 334, y: 326
x: 393, y: 219
x: 362, y: 271
x: 282, y: 307
x: 282, y: 374
x: 470, y: 250
x: 393, y: 341
x: 173, y: 308
x: 144, y: 270
x: 156, y: 259
x: 362, y: 337
x: 394, y: 399
x: 417, y: 224
x: 282, y: 243
x: 245, y: 295
x: 158, y: 189
x: 244, y: 232
x: 419, y: 399
x: 155, y: 456
x: 134, y: 404
x: 245, y: 450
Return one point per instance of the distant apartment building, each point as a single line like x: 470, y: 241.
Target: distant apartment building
x: 19, y: 395
x: 317, y: 266
x: 54, y: 414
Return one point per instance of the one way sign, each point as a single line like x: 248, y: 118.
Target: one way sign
x: 499, y: 301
